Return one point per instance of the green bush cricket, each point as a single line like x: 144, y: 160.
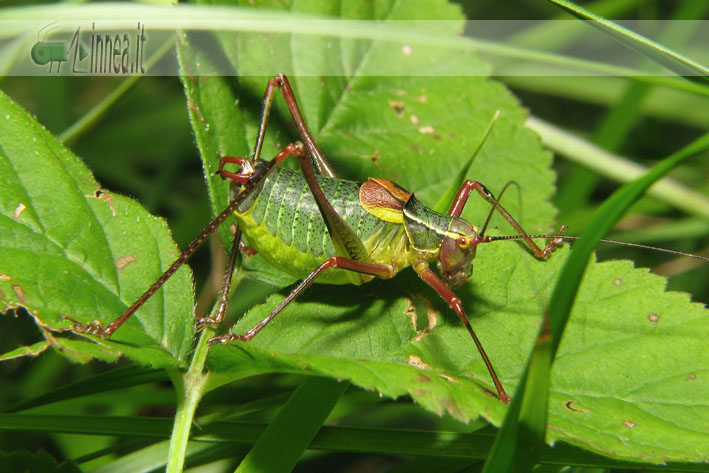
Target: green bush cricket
x: 320, y: 228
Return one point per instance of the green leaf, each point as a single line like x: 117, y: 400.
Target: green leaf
x: 67, y: 247
x: 29, y: 462
x: 32, y: 350
x: 218, y: 125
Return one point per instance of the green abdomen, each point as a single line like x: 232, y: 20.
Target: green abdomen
x: 283, y: 223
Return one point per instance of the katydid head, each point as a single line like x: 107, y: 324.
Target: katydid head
x: 455, y: 261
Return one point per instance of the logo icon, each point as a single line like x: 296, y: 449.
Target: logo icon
x: 50, y: 52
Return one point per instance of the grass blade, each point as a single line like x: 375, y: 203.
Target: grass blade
x: 294, y: 427
x: 660, y: 54
x: 472, y: 446
x: 114, y: 379
x: 444, y: 202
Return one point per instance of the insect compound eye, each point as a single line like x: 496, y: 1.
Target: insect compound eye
x: 463, y: 242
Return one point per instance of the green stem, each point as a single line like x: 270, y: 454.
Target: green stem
x: 190, y: 387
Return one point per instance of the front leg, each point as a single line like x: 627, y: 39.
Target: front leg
x: 461, y: 199
x: 422, y: 269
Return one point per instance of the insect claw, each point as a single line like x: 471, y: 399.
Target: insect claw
x: 203, y: 322
x: 93, y: 328
x: 554, y: 243
x: 246, y: 250
x: 228, y: 338
x: 71, y: 319
x: 224, y: 339
x: 244, y: 173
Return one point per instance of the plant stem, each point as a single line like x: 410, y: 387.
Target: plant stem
x: 190, y: 388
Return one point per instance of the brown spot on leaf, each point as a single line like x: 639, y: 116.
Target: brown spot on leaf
x: 629, y: 424
x: 570, y: 406
x: 423, y: 378
x: 421, y: 98
x: 398, y: 107
x: 400, y: 93
x: 431, y: 315
x: 653, y: 317
x: 411, y: 313
x: 374, y: 157
x: 106, y: 197
x: 417, y: 362
x: 190, y: 74
x: 414, y: 119
x: 19, y: 293
x: 407, y: 50
x: 618, y: 282
x: 124, y: 261
x: 18, y: 210
x: 453, y: 408
x: 691, y: 377
x: 426, y: 130
x: 416, y: 147
x: 4, y: 277
x: 448, y: 378
x: 195, y: 108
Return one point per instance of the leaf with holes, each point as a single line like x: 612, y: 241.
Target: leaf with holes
x: 69, y: 248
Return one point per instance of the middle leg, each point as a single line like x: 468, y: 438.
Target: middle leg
x: 383, y: 271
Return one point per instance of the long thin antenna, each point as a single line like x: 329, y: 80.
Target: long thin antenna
x: 47, y: 32
x: 497, y: 203
x: 615, y: 242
